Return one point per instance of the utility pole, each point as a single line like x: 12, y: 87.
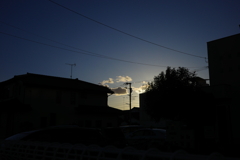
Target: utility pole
x: 130, y: 94
x: 71, y: 68
x: 130, y: 100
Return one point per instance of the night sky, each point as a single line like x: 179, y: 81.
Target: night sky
x: 111, y: 41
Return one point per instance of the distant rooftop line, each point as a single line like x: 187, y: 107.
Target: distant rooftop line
x: 54, y: 81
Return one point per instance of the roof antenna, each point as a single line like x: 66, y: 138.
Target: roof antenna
x: 71, y: 68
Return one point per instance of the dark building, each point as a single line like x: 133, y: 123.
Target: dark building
x: 224, y: 73
x: 33, y: 101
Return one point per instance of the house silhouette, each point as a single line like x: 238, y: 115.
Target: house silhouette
x: 32, y: 101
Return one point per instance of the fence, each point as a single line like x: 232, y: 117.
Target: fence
x: 22, y: 150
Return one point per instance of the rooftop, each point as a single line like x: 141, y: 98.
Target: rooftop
x: 31, y: 79
x: 232, y: 36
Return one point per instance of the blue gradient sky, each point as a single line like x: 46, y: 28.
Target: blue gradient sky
x: 184, y: 25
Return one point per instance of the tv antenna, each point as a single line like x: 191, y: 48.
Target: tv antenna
x: 71, y: 68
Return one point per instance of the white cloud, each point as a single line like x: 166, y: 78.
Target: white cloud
x: 119, y: 91
x: 123, y: 79
x: 144, y: 82
x: 140, y: 89
x: 105, y: 85
x: 104, y: 82
x: 118, y: 79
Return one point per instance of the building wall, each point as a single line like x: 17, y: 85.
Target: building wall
x: 60, y: 97
x: 145, y: 119
x: 50, y: 107
x: 234, y: 111
x: 224, y: 58
x: 224, y: 73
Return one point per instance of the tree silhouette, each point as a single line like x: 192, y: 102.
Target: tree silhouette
x: 176, y: 95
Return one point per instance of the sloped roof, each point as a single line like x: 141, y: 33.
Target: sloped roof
x: 38, y: 80
x: 224, y: 38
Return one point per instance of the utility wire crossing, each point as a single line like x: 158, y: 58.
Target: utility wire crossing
x: 125, y: 32
x: 90, y: 53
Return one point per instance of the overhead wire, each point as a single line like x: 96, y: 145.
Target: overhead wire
x: 201, y: 69
x: 89, y: 53
x: 128, y: 34
x: 197, y: 70
x: 76, y: 47
x: 95, y: 55
x: 60, y: 42
x: 48, y: 38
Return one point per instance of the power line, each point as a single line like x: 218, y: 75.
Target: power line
x: 103, y: 56
x: 142, y: 81
x: 201, y: 69
x: 95, y: 55
x: 103, y: 24
x: 90, y: 53
x: 47, y: 38
x: 62, y: 43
